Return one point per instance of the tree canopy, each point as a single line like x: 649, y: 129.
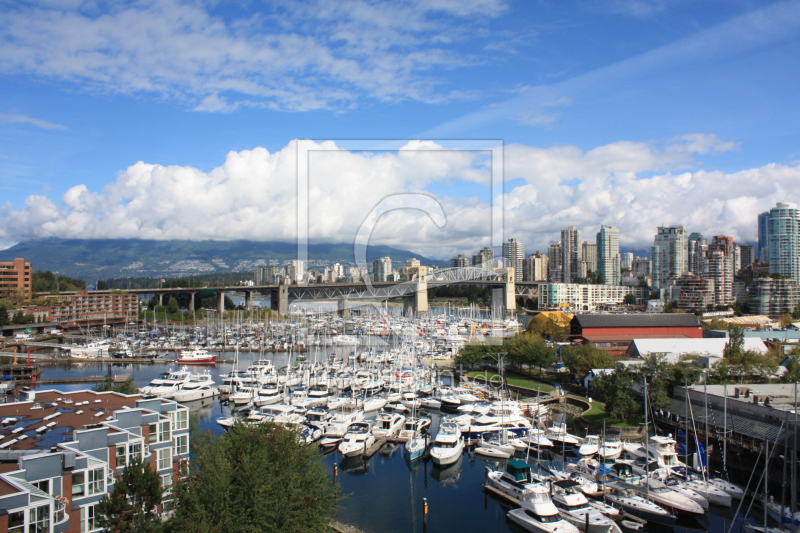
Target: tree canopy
x: 132, y: 505
x: 254, y: 478
x: 542, y: 325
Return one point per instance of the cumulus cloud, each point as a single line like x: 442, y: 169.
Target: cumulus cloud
x: 294, y: 56
x: 253, y: 195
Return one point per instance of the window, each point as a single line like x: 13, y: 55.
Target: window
x: 181, y: 444
x: 122, y: 456
x: 163, y: 431
x: 39, y: 519
x: 153, y: 431
x: 166, y: 488
x: 89, y: 520
x: 16, y: 522
x: 127, y: 453
x: 180, y: 419
x: 96, y: 482
x: 43, y: 485
x: 164, y: 458
x: 78, y: 479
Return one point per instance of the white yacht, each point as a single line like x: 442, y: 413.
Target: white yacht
x: 589, y: 446
x: 448, y: 444
x: 539, y: 515
x: 575, y: 509
x: 167, y: 384
x: 516, y: 481
x: 610, y: 448
x: 388, y: 425
x: 199, y: 387
x: 357, y: 439
x: 414, y: 426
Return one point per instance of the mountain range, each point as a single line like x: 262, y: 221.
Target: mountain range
x: 93, y: 259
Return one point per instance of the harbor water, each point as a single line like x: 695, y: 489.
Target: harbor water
x: 383, y: 493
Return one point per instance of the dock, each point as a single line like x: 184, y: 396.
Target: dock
x: 372, y: 450
x: 117, y: 378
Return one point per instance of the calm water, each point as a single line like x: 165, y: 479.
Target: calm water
x: 385, y: 492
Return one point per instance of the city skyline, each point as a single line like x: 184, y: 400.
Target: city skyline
x: 632, y: 114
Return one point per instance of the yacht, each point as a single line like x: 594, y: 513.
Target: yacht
x: 557, y: 433
x: 414, y: 426
x: 657, y: 492
x: 196, y: 356
x: 199, y: 387
x: 268, y: 393
x: 388, y: 425
x: 516, y: 481
x: 167, y: 384
x: 632, y: 502
x: 357, y: 440
x: 448, y: 444
x: 575, y: 509
x: 339, y: 423
x: 610, y: 449
x: 589, y: 446
x: 539, y: 515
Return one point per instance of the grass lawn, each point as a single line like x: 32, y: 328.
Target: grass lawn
x: 596, y: 414
x: 513, y: 380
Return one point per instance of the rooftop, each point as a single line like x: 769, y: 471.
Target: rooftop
x: 640, y: 320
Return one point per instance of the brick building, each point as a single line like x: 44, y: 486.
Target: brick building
x: 86, y: 309
x: 16, y: 275
x: 60, y: 453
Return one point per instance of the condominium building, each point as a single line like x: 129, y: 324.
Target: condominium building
x: 484, y: 258
x: 627, y: 261
x: 782, y: 239
x: 382, y: 269
x: 697, y: 248
x: 773, y: 297
x: 692, y: 292
x: 86, y: 309
x: 513, y: 254
x: 581, y: 297
x: 571, y: 254
x: 554, y: 261
x: 641, y: 267
x: 608, y: 255
x: 296, y: 271
x: 534, y: 267
x: 748, y: 256
x: 669, y: 255
x: 15, y: 276
x: 461, y: 261
x: 589, y: 255
x: 63, y: 451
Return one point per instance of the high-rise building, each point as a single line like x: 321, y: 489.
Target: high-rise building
x: 513, y: 254
x: 296, y: 271
x: 483, y: 258
x: 783, y: 239
x: 697, y: 247
x: 571, y: 254
x: 641, y: 267
x: 748, y: 256
x: 763, y: 250
x: 534, y: 267
x: 381, y: 269
x: 589, y: 253
x: 412, y: 263
x: 554, y: 268
x: 608, y: 255
x: 460, y: 262
x: 626, y: 261
x: 15, y: 276
x: 773, y: 297
x: 669, y: 255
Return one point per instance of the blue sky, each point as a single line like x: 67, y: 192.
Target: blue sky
x: 627, y: 112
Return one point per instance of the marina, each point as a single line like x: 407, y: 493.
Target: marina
x: 385, y: 488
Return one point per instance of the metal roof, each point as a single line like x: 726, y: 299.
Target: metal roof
x: 641, y: 320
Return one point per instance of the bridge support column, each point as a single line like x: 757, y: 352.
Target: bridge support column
x: 221, y: 302
x: 161, y: 298
x: 280, y: 299
x: 510, y: 299
x: 408, y: 305
x: 191, y: 301
x: 421, y: 297
x: 248, y: 300
x: 344, y: 308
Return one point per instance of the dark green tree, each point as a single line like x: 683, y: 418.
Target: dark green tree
x: 102, y: 286
x: 630, y: 299
x: 125, y: 387
x: 581, y: 359
x: 132, y: 505
x: 616, y: 390
x: 254, y: 478
x: 474, y: 353
x: 735, y: 346
x: 172, y: 306
x: 529, y: 349
x: 4, y: 321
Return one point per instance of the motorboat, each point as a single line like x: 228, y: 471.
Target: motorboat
x: 632, y: 502
x: 734, y: 491
x: 414, y: 426
x: 516, y: 481
x: 345, y: 340
x: 495, y: 453
x: 388, y: 425
x: 341, y: 420
x: 167, y: 384
x: 681, y: 487
x: 196, y: 356
x: 589, y: 446
x: 610, y: 448
x: 199, y: 387
x: 558, y: 434
x: 539, y: 515
x: 448, y: 445
x: 415, y: 447
x: 497, y: 442
x: 575, y: 509
x: 533, y: 440
x: 280, y: 414
x: 268, y: 393
x: 357, y: 440
x: 657, y: 492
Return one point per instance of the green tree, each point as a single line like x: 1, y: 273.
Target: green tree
x: 133, y: 504
x: 172, y: 306
x: 581, y: 359
x: 254, y: 478
x: 615, y: 390
x: 125, y: 387
x: 4, y: 320
x: 735, y: 345
x: 473, y: 353
x: 22, y: 318
x: 530, y: 349
x: 630, y: 299
x: 102, y: 286
x: 659, y: 373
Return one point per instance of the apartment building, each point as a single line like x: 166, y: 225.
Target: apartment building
x: 16, y: 275
x: 61, y: 452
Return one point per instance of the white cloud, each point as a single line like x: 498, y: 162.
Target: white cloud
x: 289, y: 56
x: 632, y: 185
x: 702, y: 143
x: 22, y: 119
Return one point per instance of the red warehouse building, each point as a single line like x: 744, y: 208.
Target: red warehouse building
x: 615, y: 332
